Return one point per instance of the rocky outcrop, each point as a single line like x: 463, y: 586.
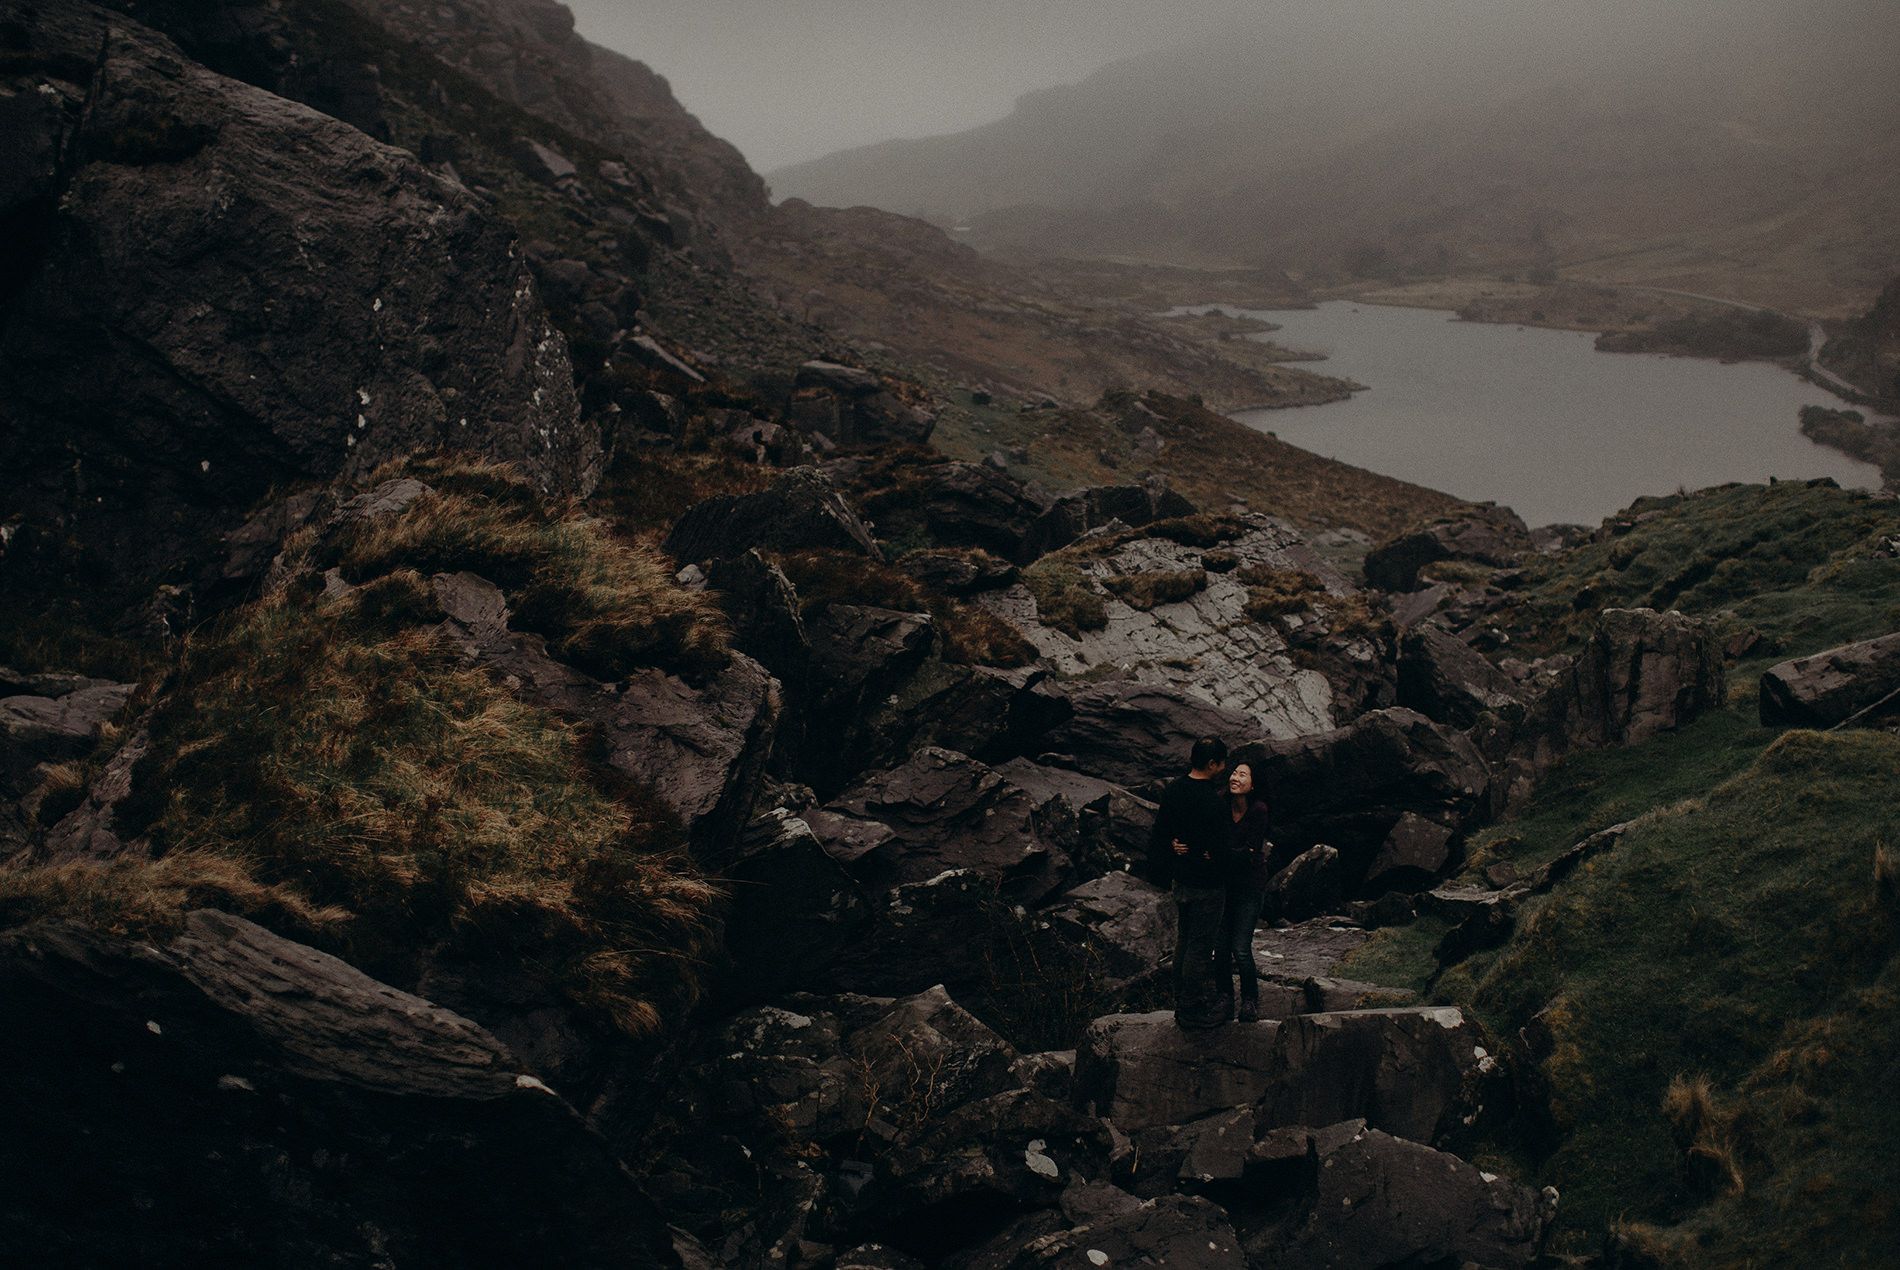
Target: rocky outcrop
x: 50, y: 719
x: 1488, y: 535
x: 1855, y: 683
x: 1134, y: 734
x: 1643, y: 673
x: 854, y: 407
x: 1077, y: 512
x: 239, y: 1097
x: 967, y: 505
x: 220, y: 291
x: 701, y: 747
x: 1130, y: 921
x: 802, y: 511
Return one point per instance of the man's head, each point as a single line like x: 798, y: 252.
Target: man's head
x: 1209, y: 756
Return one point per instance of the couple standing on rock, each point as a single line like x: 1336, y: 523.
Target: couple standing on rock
x: 1210, y: 844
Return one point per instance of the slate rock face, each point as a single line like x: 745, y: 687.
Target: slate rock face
x: 1203, y: 645
x: 1832, y: 687
x: 221, y: 290
x: 243, y: 1099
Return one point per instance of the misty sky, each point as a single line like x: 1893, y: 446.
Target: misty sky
x: 790, y: 80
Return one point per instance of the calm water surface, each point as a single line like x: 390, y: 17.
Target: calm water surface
x: 1539, y: 420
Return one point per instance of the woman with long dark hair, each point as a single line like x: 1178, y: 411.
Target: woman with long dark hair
x: 1246, y: 892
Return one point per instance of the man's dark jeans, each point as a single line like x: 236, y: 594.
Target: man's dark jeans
x: 1197, y: 931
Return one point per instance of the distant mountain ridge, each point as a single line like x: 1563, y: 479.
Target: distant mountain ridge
x: 1764, y: 147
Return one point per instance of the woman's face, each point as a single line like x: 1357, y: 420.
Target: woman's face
x: 1240, y: 780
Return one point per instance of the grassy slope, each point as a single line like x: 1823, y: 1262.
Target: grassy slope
x: 329, y: 765
x: 1735, y: 933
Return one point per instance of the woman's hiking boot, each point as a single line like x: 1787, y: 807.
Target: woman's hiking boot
x: 1249, y: 1009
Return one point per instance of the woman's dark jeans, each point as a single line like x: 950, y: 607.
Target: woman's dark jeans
x: 1235, y: 951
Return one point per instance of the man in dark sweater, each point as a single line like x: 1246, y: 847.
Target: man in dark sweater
x: 1189, y: 852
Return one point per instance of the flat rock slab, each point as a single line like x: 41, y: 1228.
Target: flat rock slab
x: 1414, y: 1071
x: 1833, y: 686
x: 1139, y: 1070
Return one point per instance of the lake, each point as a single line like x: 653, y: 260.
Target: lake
x: 1539, y: 420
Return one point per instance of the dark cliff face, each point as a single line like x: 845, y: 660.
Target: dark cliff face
x: 225, y: 291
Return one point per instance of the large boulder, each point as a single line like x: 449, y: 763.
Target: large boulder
x: 1417, y: 1072
x: 1138, y: 1070
x: 862, y: 657
x: 55, y: 718
x: 1447, y: 680
x: 940, y: 811
x: 983, y: 711
x: 966, y: 505
x: 216, y: 291
x: 1371, y: 1200
x: 1128, y: 921
x: 793, y: 909
x: 1486, y: 535
x: 1112, y: 826
x: 802, y: 511
x: 922, y: 933
x: 1859, y: 682
x: 238, y: 1098
x: 1351, y: 787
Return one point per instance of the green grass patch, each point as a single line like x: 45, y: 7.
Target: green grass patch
x: 1719, y: 940
x: 1792, y: 561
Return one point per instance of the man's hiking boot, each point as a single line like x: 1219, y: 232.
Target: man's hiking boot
x: 1223, y: 1007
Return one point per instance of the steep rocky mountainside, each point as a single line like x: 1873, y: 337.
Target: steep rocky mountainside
x: 1744, y: 161
x: 513, y: 749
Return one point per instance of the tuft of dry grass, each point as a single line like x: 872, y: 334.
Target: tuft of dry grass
x: 1144, y: 591
x: 1886, y: 875
x: 1274, y: 592
x: 606, y: 604
x: 1704, y: 1136
x: 1065, y: 597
